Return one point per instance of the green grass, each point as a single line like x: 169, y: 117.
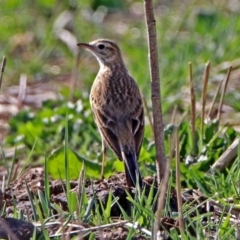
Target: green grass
x: 63, y: 136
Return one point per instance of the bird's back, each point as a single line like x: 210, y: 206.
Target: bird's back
x: 116, y: 94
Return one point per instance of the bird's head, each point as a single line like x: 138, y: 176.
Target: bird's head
x: 106, y: 51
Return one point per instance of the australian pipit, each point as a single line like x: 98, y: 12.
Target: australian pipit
x: 117, y: 107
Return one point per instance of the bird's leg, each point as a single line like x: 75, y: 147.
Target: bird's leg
x: 104, y: 151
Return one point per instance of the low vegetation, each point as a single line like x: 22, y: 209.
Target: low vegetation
x: 62, y: 139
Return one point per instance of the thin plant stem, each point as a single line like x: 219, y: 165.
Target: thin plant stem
x: 178, y: 182
x: 204, y: 94
x: 223, y: 93
x: 193, y: 107
x: 22, y: 89
x: 3, y: 65
x: 161, y: 159
x: 214, y: 99
x: 173, y: 117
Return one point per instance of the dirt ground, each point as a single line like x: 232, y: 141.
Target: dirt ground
x: 16, y: 196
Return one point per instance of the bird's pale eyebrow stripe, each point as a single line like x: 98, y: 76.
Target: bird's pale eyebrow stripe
x: 112, y: 44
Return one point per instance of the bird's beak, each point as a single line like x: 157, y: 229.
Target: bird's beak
x: 85, y: 45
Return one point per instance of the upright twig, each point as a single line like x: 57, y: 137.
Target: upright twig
x: 4, y: 61
x: 214, y: 99
x: 161, y: 160
x: 80, y: 191
x: 162, y: 195
x: 155, y: 89
x: 204, y: 94
x: 178, y: 182
x: 22, y: 89
x: 223, y: 93
x: 173, y: 117
x: 193, y: 106
x: 164, y: 186
x: 165, y: 181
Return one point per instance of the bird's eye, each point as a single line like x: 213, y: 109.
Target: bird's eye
x: 101, y: 46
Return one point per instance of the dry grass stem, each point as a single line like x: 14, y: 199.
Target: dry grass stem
x: 164, y: 185
x: 173, y: 117
x: 162, y: 198
x: 80, y: 191
x: 136, y: 226
x: 204, y: 94
x: 193, y: 105
x: 178, y: 181
x: 223, y: 93
x: 214, y: 99
x: 81, y: 229
x: 22, y: 89
x: 228, y: 156
x: 4, y: 61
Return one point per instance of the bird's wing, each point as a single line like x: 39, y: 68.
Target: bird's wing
x: 107, y: 128
x: 138, y: 129
x: 137, y: 117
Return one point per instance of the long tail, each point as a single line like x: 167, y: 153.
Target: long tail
x: 131, y: 169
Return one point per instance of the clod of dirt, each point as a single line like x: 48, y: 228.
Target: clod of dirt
x: 16, y: 229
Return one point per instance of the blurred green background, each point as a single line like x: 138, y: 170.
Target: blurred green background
x: 197, y: 31
x: 39, y: 39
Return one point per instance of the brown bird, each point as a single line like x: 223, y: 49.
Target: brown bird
x: 117, y: 107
